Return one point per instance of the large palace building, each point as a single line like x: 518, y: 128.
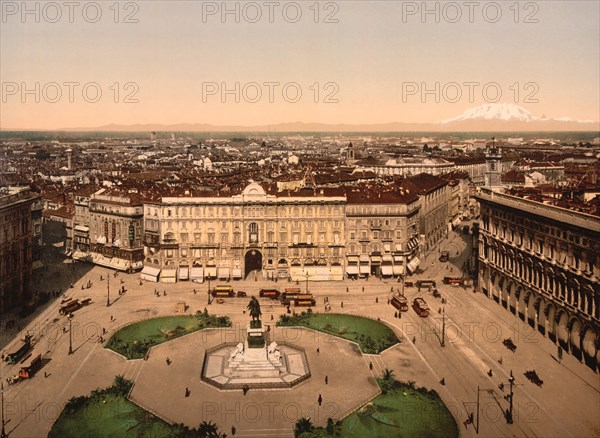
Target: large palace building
x: 16, y: 247
x: 316, y: 235
x: 540, y: 262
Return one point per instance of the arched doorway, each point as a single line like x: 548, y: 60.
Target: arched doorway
x: 252, y: 262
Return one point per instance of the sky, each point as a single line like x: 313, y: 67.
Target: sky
x: 89, y: 64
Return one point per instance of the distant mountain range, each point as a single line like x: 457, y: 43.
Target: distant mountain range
x: 493, y: 117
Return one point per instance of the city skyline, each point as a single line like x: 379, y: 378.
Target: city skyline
x: 190, y: 63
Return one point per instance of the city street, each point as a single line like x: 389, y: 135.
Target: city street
x: 566, y: 405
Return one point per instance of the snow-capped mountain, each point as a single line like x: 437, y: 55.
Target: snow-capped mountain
x: 508, y: 112
x: 495, y: 111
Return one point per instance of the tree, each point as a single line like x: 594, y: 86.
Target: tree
x: 388, y: 374
x: 303, y: 425
x: 387, y: 380
x: 122, y: 385
x: 254, y: 309
x: 208, y: 430
x: 426, y: 148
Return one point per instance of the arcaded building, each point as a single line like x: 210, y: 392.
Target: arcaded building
x: 297, y: 235
x: 16, y: 247
x: 540, y: 262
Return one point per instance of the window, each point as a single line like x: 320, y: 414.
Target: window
x: 184, y: 237
x: 253, y: 232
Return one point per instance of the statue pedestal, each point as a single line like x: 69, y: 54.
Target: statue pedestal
x: 247, y: 362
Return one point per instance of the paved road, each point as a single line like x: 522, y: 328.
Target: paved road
x: 566, y: 405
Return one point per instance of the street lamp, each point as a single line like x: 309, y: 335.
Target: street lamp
x: 443, y: 326
x: 307, y: 282
x: 3, y: 433
x: 208, y: 289
x: 70, y: 333
x: 509, y: 412
x: 107, y: 290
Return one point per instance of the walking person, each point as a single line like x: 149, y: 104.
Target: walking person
x: 320, y: 400
x: 326, y: 380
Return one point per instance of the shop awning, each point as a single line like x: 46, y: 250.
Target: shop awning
x: 364, y: 258
x: 413, y: 264
x: 168, y: 273
x: 352, y: 270
x: 137, y: 265
x: 210, y: 271
x: 375, y: 259
x: 352, y: 259
x: 196, y: 273
x: 223, y: 273
x: 386, y: 258
x: 398, y: 269
x: 150, y: 273
x: 387, y: 270
x: 236, y: 273
x: 456, y: 222
x: 184, y: 273
x: 398, y: 259
x: 365, y: 269
x: 150, y: 270
x: 81, y: 228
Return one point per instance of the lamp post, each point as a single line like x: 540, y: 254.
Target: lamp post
x: 307, y: 282
x: 70, y: 333
x: 3, y: 433
x: 478, y: 391
x: 208, y: 289
x: 443, y: 326
x: 107, y: 290
x: 509, y: 412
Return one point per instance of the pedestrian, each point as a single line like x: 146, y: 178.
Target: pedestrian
x: 342, y: 304
x: 501, y: 386
x: 318, y: 350
x: 395, y: 314
x: 376, y: 299
x: 165, y: 293
x: 187, y: 392
x: 233, y: 430
x: 271, y: 317
x: 371, y: 366
x: 45, y: 374
x: 392, y: 289
x: 443, y: 381
x: 168, y: 361
x: 414, y: 340
x: 500, y: 360
x: 363, y: 288
x: 326, y: 380
x: 320, y: 399
x: 490, y: 373
x: 347, y: 290
x: 194, y: 291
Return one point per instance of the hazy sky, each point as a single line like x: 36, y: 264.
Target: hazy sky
x: 362, y: 61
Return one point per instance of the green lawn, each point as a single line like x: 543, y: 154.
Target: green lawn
x: 402, y: 413
x: 372, y: 336
x: 133, y: 341
x: 118, y: 417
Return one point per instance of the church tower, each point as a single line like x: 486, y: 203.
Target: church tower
x: 493, y: 166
